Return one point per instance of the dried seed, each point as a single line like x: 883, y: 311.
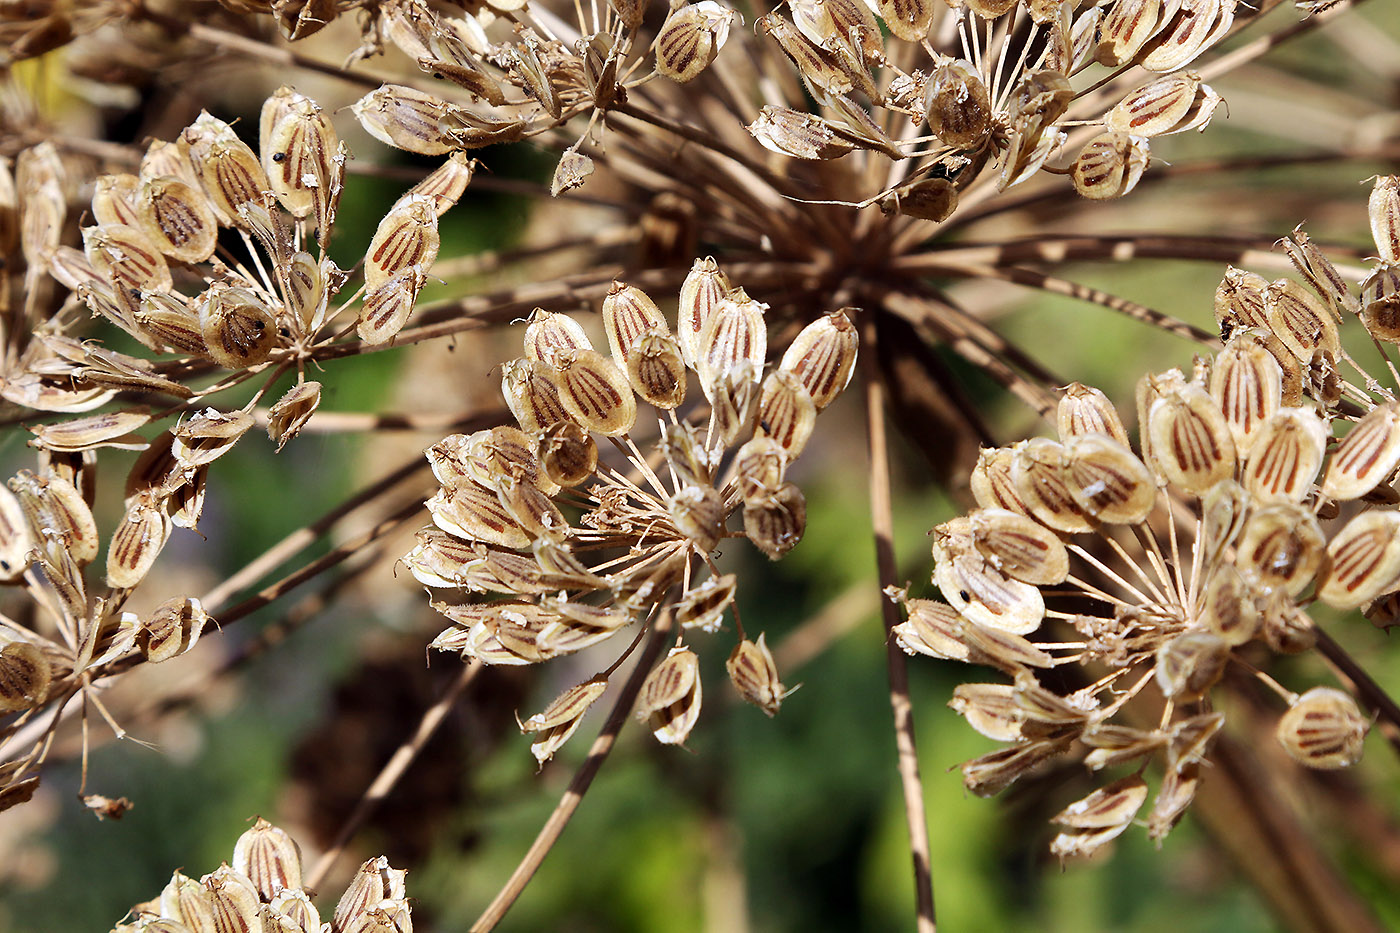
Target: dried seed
x: 1039, y: 472
x: 1300, y: 321
x: 269, y: 858
x: 548, y: 332
x: 137, y: 542
x: 1383, y: 209
x: 820, y: 69
x: 1239, y: 301
x: 532, y: 509
x: 670, y: 697
x: 409, y: 119
x: 957, y: 106
x: 656, y: 371
x: 446, y: 184
x: 1367, y: 456
x: 114, y: 200
x: 629, y: 314
x: 572, y: 171
x: 304, y: 283
x: 691, y: 38
x: 755, y: 676
x: 127, y: 258
x: 1229, y: 608
x: 992, y: 483
x: 1173, y: 797
x: 1324, y: 278
x: 1248, y: 383
x: 703, y: 606
x: 1085, y: 410
x: 561, y: 718
x: 786, y: 412
x: 990, y: 709
x: 25, y: 675
x: 475, y: 513
x: 1285, y: 455
x: 1157, y: 108
x: 1110, y: 165
x: 1114, y: 805
x: 1107, y: 481
x: 992, y: 773
x: 189, y: 902
x: 1114, y: 745
x: 701, y: 292
x: 594, y: 392
x: 798, y: 134
x: 1019, y: 547
x: 974, y: 587
x: 1190, y: 664
x: 173, y: 628
x: 1364, y: 561
x: 697, y: 512
x: 1191, y: 443
x: 407, y: 238
x: 238, y: 327
x: 373, y: 883
x: 823, y: 357
x: 55, y: 510
x: 1189, y: 739
x: 775, y: 520
x: 907, y: 19
x: 934, y: 629
x: 568, y: 453
x: 112, y: 429
x: 386, y: 309
x: 208, y: 435
x: 1323, y: 729
x: 16, y: 539
x: 231, y: 172
x: 1126, y: 29
x: 1190, y: 31
x: 1282, y: 544
x: 531, y: 392
x: 760, y: 465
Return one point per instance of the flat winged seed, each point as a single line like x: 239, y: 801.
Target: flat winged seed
x: 978, y: 590
x: 786, y: 412
x: 697, y: 513
x: 1085, y: 410
x: 173, y: 628
x: 531, y: 393
x: 137, y: 542
x: 656, y: 370
x: 990, y: 709
x: 1229, y: 607
x: 1248, y: 383
x: 759, y: 465
x: 1114, y: 745
x: 690, y: 39
x: 289, y: 415
x: 1299, y: 319
x: 475, y: 513
x: 1240, y: 302
x: 504, y: 451
x: 1190, y: 664
x: 1113, y: 805
x: 232, y: 175
x: 304, y: 287
x: 25, y: 675
x: 594, y: 392
x: 208, y: 435
x: 823, y: 357
x: 1364, y: 561
x: 1367, y: 456
x: 1187, y: 34
x: 112, y: 429
x: 798, y: 135
x: 238, y: 327
x: 992, y: 483
x: 298, y: 145
x: 1110, y: 165
x: 1039, y: 474
x: 568, y: 453
x: 821, y: 70
x: 934, y: 629
x: 704, y: 286
x: 1384, y: 211
x: 234, y: 901
x: 629, y: 314
x: 187, y: 901
x: 446, y: 184
x: 407, y: 238
x: 1126, y: 28
x: 1021, y: 548
x: 1283, y: 545
x: 734, y: 397
x: 1156, y: 108
x: 269, y: 858
x: 754, y: 674
x: 571, y: 172
x: 703, y: 607
x: 669, y: 701
x: 126, y: 256
x: 1321, y: 274
x: 561, y: 718
x: 775, y: 521
x: 1191, y: 443
x: 907, y: 19
x: 54, y: 508
x: 374, y: 882
x: 1286, y: 455
x: 409, y: 119
x: 546, y: 333
x: 1107, y: 481
x: 1323, y: 729
x: 533, y: 511
x: 957, y: 106
x: 992, y: 773
x: 386, y: 309
x: 1380, y: 300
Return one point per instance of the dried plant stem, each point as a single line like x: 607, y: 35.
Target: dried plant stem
x: 392, y: 771
x: 597, y: 754
x: 1370, y: 693
x: 272, y: 54
x: 882, y: 520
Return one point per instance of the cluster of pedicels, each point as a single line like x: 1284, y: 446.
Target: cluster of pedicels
x: 1156, y: 571
x: 212, y: 258
x: 543, y: 544
x: 262, y: 891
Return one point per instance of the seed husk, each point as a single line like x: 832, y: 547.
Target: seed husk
x: 775, y: 521
x: 669, y: 701
x: 594, y: 392
x: 1364, y: 561
x: 1285, y: 455
x: 1021, y: 548
x: 754, y: 674
x: 1323, y: 729
x: 269, y: 858
x: 561, y: 718
x: 1190, y: 442
x: 1367, y: 456
x: 1086, y: 410
x: 1282, y: 545
x: 1107, y: 481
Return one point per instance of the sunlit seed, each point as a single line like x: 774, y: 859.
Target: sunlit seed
x: 1323, y: 729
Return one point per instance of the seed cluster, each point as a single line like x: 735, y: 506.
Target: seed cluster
x: 645, y: 528
x: 1157, y: 570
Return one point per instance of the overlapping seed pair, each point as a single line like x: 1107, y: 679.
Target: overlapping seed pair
x: 262, y: 890
x: 645, y: 525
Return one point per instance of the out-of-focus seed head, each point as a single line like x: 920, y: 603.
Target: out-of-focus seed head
x: 1363, y: 561
x: 1323, y: 729
x: 289, y: 415
x: 25, y: 675
x: 1190, y: 664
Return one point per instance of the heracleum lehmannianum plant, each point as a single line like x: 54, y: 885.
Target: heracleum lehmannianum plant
x: 745, y: 210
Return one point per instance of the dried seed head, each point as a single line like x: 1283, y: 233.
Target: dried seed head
x: 1285, y: 455
x: 1021, y: 548
x: 1190, y: 442
x: 137, y: 542
x: 755, y: 676
x: 701, y: 292
x: 173, y: 628
x: 1323, y: 729
x: 1282, y: 545
x: 1367, y: 456
x: 594, y: 392
x: 957, y: 106
x: 1190, y: 664
x: 775, y: 520
x: 628, y: 315
x: 238, y: 327
x: 669, y: 701
x: 269, y: 858
x: 24, y: 676
x: 1107, y: 481
x: 561, y: 718
x: 286, y: 418
x: 703, y: 607
x: 1364, y: 561
x: 656, y: 370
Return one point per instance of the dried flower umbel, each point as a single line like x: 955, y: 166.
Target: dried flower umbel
x: 646, y: 525
x: 1157, y: 571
